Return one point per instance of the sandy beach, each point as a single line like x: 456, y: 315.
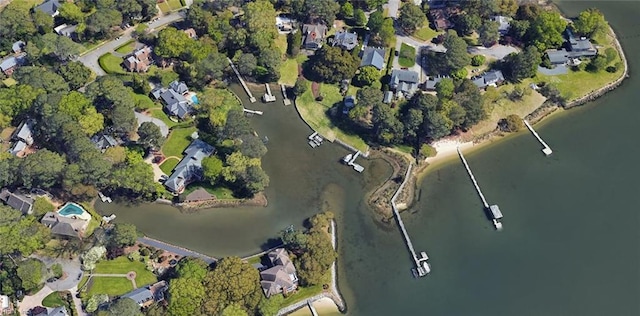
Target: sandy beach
x: 323, y: 306
x: 446, y: 148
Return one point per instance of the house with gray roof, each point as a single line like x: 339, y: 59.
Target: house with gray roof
x: 66, y: 30
x: 489, y: 78
x: 313, y: 36
x: 345, y: 40
x: 388, y: 97
x: 174, y: 99
x: 281, y: 277
x: 405, y: 82
x: 9, y: 64
x: 558, y: 56
x: 64, y: 226
x: 17, y: 201
x: 147, y: 295
x: 58, y: 311
x: 22, y: 138
x: 431, y: 83
x: 49, y: 7
x: 504, y: 23
x: 17, y: 47
x: 103, y: 141
x: 580, y: 47
x: 189, y: 169
x: 372, y: 56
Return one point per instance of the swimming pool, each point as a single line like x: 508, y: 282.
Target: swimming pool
x: 194, y: 98
x: 74, y: 210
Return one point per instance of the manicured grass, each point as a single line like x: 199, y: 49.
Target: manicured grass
x: 168, y: 165
x: 122, y: 265
x: 169, y: 5
x: 404, y: 148
x: 576, y: 84
x: 281, y: 43
x: 289, y: 72
x: 93, y: 224
x: 407, y: 56
x: 220, y: 192
x: 426, y: 33
x: 315, y: 114
x: 179, y: 139
x: 159, y: 114
x: 142, y: 102
x: 112, y: 286
x: 111, y: 64
x: 53, y: 300
x: 127, y: 47
x: 164, y: 7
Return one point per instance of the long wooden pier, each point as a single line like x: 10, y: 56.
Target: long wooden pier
x: 244, y: 85
x: 421, y: 266
x: 251, y: 111
x: 284, y: 95
x: 546, y: 149
x: 494, y: 210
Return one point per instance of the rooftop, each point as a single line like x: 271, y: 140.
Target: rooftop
x: 372, y: 56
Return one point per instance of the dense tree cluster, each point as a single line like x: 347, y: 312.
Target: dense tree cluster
x: 332, y: 64
x: 411, y: 17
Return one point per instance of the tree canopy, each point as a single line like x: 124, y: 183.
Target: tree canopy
x: 233, y: 281
x: 332, y: 64
x: 411, y: 17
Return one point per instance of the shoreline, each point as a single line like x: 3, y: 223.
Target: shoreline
x: 332, y: 294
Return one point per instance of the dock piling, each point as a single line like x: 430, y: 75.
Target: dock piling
x: 244, y: 85
x: 546, y: 149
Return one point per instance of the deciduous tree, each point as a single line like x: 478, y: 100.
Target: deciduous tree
x: 124, y: 234
x: 546, y: 30
x: 325, y: 10
x: 411, y: 17
x: 367, y: 76
x: 232, y: 282
x: 30, y: 271
x: 212, y: 167
x: 590, y: 21
x: 489, y: 33
x: 75, y: 73
x: 332, y: 64
x: 150, y: 135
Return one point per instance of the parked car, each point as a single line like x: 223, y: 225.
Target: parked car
x: 79, y: 276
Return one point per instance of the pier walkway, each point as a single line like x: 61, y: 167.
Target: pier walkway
x: 419, y: 269
x: 494, y: 210
x: 244, y: 85
x: 284, y: 95
x: 546, y: 149
x: 175, y: 249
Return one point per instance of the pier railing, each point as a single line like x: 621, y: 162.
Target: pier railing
x: 473, y: 179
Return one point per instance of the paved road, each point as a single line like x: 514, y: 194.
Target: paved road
x: 401, y: 37
x: 496, y: 51
x: 175, y: 249
x: 71, y: 269
x: 392, y: 8
x: 164, y: 129
x: 91, y: 59
x: 31, y: 301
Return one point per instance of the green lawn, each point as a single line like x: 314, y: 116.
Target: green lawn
x: 112, y: 286
x: 576, y: 84
x: 426, y: 33
x: 168, y: 165
x: 220, y: 192
x: 159, y: 114
x: 142, y: 102
x: 281, y: 43
x: 179, y: 139
x: 122, y: 265
x: 127, y: 47
x: 407, y: 56
x: 111, y: 64
x: 289, y: 72
x: 169, y: 5
x: 53, y: 300
x: 314, y: 114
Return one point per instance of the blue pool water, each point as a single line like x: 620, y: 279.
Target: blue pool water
x: 71, y: 209
x: 194, y: 98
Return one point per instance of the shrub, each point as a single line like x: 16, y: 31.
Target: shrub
x: 477, y: 60
x: 427, y: 151
x: 56, y: 269
x: 145, y: 252
x: 512, y: 123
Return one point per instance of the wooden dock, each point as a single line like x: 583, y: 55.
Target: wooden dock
x: 493, y: 209
x: 545, y: 148
x: 251, y: 111
x: 421, y: 266
x: 244, y: 85
x: 284, y: 95
x: 268, y: 97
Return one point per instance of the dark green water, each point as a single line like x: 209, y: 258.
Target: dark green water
x: 571, y: 243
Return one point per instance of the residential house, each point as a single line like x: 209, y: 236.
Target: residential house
x: 17, y: 201
x: 6, y: 308
x: 558, y: 56
x: 103, y: 142
x: 503, y: 23
x: 405, y: 82
x: 441, y: 18
x: 66, y: 30
x: 349, y: 103
x: 285, y: 24
x: 189, y: 169
x: 345, y: 40
x: 49, y: 7
x: 9, y: 64
x: 388, y: 97
x: 372, y: 56
x: 281, y: 276
x: 58, y: 311
x: 313, y: 36
x: 64, y: 226
x: 489, y: 78
x: 191, y: 32
x: 17, y: 47
x: 580, y: 47
x: 139, y: 60
x: 175, y: 102
x: 38, y: 311
x: 431, y: 83
x: 148, y: 295
x: 22, y: 137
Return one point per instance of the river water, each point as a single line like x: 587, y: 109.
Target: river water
x: 571, y: 243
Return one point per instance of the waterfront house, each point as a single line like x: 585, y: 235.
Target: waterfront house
x: 49, y: 7
x: 372, y: 56
x: 345, y: 40
x: 11, y: 63
x: 580, y: 47
x: 313, y: 36
x: 17, y: 201
x: 175, y: 102
x: 148, y: 295
x: 405, y: 82
x: 189, y: 169
x: 558, y: 56
x: 139, y: 61
x: 281, y: 277
x: 63, y: 225
x: 6, y: 308
x: 489, y: 78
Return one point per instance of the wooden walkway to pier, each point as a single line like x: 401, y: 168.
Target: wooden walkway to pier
x: 546, y: 149
x: 244, y: 85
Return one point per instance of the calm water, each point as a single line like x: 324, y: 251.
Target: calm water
x: 571, y: 240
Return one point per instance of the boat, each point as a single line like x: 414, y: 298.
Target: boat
x: 318, y: 139
x: 313, y: 144
x: 426, y: 267
x: 347, y: 158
